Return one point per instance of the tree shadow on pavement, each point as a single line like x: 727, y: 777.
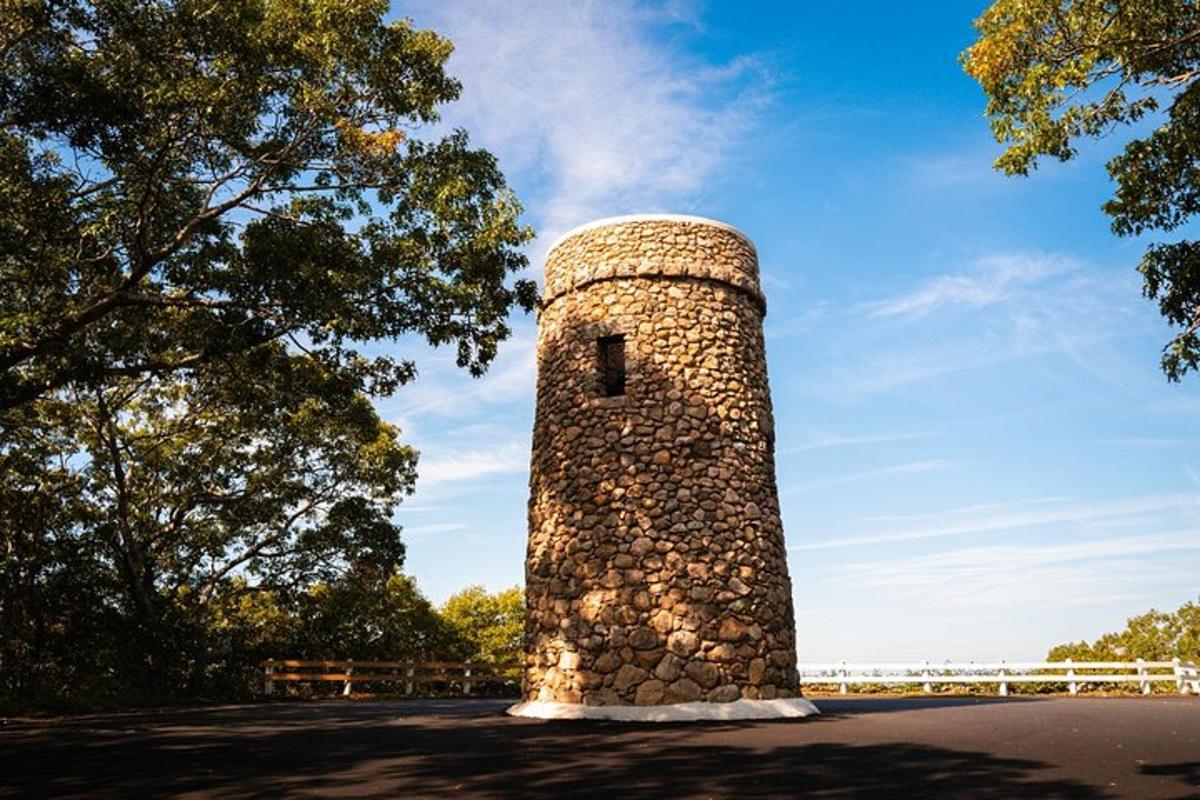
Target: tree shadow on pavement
x: 349, y: 752
x: 840, y: 706
x: 1188, y: 772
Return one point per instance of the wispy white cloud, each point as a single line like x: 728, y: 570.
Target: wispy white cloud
x: 1150, y: 442
x: 797, y: 322
x: 1174, y: 404
x: 973, y: 510
x: 909, y: 468
x: 467, y: 465
x: 421, y: 509
x: 598, y: 116
x: 969, y: 167
x: 820, y: 440
x: 921, y: 362
x: 445, y: 406
x: 989, y: 280
x: 433, y: 529
x: 1000, y: 309
x: 963, y: 524
x: 444, y: 390
x: 1073, y: 573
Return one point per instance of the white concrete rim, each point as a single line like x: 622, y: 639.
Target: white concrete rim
x: 782, y: 708
x: 605, y: 222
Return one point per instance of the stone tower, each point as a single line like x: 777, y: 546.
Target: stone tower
x: 656, y: 572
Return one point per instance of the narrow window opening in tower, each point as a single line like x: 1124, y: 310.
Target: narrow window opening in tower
x: 611, y: 355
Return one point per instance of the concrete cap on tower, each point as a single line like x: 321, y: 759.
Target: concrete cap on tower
x: 625, y: 219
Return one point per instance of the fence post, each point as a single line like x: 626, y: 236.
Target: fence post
x: 1143, y: 684
x: 467, y: 679
x: 1072, y: 687
x: 842, y: 675
x: 348, y: 686
x: 928, y: 687
x: 268, y: 684
x: 1180, y: 684
x: 409, y: 685
x: 1003, y: 683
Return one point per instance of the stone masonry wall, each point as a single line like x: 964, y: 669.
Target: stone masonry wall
x: 656, y: 568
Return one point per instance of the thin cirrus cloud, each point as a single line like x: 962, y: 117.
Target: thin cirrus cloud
x: 1001, y: 308
x: 1091, y: 512
x: 442, y: 389
x: 971, y: 511
x: 908, y: 468
x: 821, y: 440
x: 1149, y: 442
x: 433, y: 528
x: 990, y: 280
x: 592, y: 115
x: 1074, y: 572
x: 465, y: 465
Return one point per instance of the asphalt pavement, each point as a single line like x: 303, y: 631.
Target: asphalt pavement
x: 936, y: 747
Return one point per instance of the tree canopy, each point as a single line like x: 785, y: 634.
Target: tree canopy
x: 211, y: 214
x: 1055, y: 71
x: 490, y: 625
x: 183, y: 180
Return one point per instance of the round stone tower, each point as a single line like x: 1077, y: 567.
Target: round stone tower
x: 656, y: 573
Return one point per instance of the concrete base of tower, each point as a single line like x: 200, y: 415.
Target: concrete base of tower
x: 790, y: 708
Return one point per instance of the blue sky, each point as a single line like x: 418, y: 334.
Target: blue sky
x: 977, y: 454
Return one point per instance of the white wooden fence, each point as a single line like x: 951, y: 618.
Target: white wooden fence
x: 1185, y: 675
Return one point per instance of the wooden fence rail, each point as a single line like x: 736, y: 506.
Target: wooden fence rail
x: 412, y: 674
x: 1185, y: 675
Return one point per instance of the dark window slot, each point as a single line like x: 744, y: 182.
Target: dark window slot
x: 611, y: 355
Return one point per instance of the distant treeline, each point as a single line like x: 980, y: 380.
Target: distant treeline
x: 1153, y: 636
x: 78, y: 651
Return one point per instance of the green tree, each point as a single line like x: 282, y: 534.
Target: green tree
x: 491, y: 625
x: 56, y: 620
x: 184, y: 180
x: 208, y: 211
x: 1153, y: 636
x: 240, y: 628
x: 264, y: 475
x: 1058, y: 70
x: 370, y: 615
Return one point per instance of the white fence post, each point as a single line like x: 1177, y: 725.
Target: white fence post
x: 1072, y: 687
x: 467, y: 680
x: 927, y: 687
x: 1003, y: 683
x: 842, y: 674
x: 410, y: 684
x: 1187, y: 676
x: 1143, y: 684
x: 268, y: 684
x: 348, y: 686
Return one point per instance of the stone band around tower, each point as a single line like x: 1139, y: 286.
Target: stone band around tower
x: 648, y: 246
